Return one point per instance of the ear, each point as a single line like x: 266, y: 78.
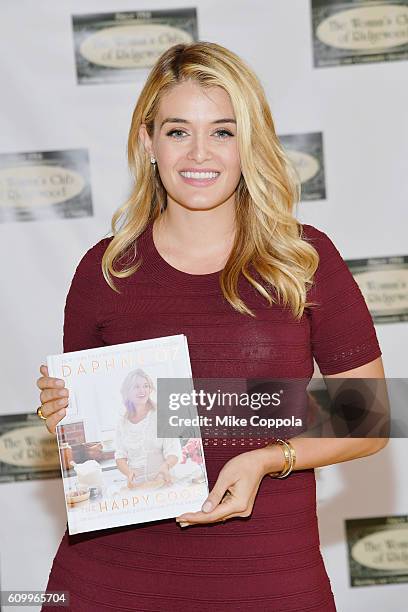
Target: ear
x: 145, y: 138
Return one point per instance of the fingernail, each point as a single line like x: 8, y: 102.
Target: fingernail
x: 183, y: 524
x: 207, y: 506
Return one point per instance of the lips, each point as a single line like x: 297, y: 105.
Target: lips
x: 199, y: 179
x: 199, y: 176
x: 199, y: 170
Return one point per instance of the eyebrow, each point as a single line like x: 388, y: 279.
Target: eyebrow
x: 178, y: 120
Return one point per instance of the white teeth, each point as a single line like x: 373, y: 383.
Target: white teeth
x: 200, y: 175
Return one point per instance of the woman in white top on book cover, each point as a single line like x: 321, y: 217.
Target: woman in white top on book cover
x: 139, y: 453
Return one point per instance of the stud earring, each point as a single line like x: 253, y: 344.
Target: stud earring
x: 152, y: 160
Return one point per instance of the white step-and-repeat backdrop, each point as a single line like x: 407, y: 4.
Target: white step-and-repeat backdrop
x: 336, y: 77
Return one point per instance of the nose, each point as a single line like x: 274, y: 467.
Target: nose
x: 199, y: 149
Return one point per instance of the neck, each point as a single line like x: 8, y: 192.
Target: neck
x: 139, y: 413
x: 200, y: 233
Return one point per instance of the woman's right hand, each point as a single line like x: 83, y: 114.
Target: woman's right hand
x: 53, y: 398
x: 132, y: 476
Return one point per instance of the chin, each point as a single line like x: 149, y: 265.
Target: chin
x: 207, y: 205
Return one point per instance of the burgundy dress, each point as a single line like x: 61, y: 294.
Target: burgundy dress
x: 270, y: 561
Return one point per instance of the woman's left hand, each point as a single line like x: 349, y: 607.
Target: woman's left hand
x: 164, y: 473
x: 233, y: 493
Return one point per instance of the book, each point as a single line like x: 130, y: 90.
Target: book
x: 116, y: 468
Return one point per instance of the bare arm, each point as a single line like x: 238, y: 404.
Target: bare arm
x: 312, y: 453
x: 171, y: 460
x: 123, y: 466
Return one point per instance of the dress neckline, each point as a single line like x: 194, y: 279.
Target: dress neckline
x: 166, y: 274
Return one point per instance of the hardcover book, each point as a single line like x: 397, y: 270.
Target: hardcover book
x: 116, y: 470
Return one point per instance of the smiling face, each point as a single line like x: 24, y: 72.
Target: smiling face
x: 195, y: 146
x: 140, y: 392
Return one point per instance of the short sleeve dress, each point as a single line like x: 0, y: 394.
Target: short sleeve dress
x: 270, y: 561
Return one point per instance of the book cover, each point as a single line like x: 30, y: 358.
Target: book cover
x: 115, y: 469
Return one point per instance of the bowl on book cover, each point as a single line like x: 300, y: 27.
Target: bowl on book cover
x: 77, y: 495
x: 89, y: 473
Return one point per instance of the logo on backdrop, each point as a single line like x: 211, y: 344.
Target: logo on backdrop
x: 306, y: 153
x: 377, y: 550
x: 357, y: 31
x: 45, y: 185
x: 384, y: 283
x: 112, y: 47
x: 27, y: 450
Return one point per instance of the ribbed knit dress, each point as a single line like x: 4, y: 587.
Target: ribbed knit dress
x: 270, y: 561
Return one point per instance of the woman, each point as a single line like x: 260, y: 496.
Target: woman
x: 139, y: 454
x: 208, y: 246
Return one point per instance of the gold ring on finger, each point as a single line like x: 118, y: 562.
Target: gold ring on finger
x: 40, y: 414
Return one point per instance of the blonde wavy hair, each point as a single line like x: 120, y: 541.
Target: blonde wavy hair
x: 127, y: 387
x: 267, y: 236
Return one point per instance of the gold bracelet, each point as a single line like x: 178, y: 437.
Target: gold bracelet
x: 290, y: 458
